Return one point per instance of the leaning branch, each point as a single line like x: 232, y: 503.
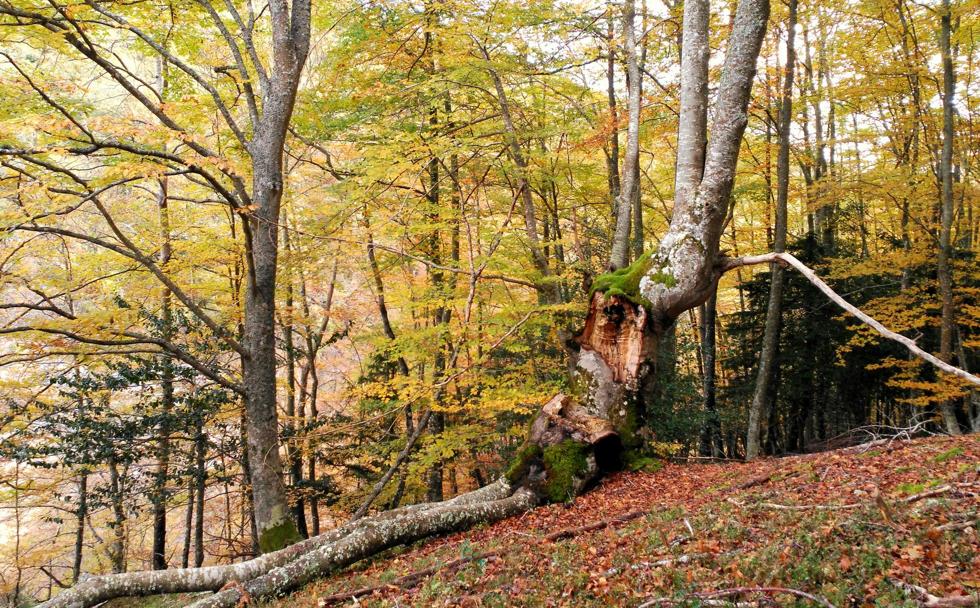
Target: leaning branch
x: 790, y: 260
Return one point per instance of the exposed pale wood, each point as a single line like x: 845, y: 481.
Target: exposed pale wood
x: 616, y: 329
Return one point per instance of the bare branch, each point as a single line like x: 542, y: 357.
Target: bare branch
x: 790, y: 260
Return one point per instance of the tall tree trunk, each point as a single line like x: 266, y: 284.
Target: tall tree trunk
x: 770, y: 341
x: 189, y: 522
x: 612, y: 153
x: 290, y: 41
x: 619, y: 255
x: 637, y: 198
x: 943, y: 269
x: 117, y: 546
x: 293, y: 446
x: 158, y: 496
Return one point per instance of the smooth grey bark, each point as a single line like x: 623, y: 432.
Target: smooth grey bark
x: 370, y: 538
x: 96, y: 590
x: 944, y: 271
x: 637, y: 198
x: 770, y: 341
x: 290, y: 41
x: 619, y: 255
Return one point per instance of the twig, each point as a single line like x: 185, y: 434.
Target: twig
x: 943, y: 489
x: 707, y: 596
x: 568, y: 533
x: 928, y: 600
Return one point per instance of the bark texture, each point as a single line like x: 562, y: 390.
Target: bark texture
x: 770, y: 340
x: 943, y: 270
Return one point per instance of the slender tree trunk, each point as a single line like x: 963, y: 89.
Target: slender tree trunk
x: 80, y: 514
x: 943, y: 266
x: 158, y: 496
x: 293, y: 446
x: 711, y: 429
x: 612, y: 154
x: 548, y: 290
x: 200, y: 477
x: 619, y: 256
x: 189, y: 522
x: 637, y: 198
x: 117, y: 546
x: 770, y: 342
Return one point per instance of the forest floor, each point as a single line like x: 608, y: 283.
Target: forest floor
x: 855, y: 527
x: 877, y: 525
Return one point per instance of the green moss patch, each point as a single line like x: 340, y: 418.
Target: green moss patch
x: 278, y: 536
x: 625, y: 282
x: 564, y: 462
x: 521, y: 463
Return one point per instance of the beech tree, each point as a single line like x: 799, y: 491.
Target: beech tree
x: 253, y: 190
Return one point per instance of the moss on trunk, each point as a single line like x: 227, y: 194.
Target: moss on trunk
x: 625, y: 282
x: 278, y: 536
x: 567, y: 466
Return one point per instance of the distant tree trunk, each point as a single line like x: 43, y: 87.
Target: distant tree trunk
x: 117, y: 546
x: 188, y: 522
x: 612, y: 153
x: 637, y: 198
x: 81, y: 512
x: 158, y: 496
x: 293, y: 446
x: 770, y: 340
x: 200, y: 477
x: 711, y: 429
x: 310, y: 383
x: 945, y: 254
x: 619, y: 256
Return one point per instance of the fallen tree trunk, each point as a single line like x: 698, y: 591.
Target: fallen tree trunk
x: 95, y: 590
x: 367, y: 540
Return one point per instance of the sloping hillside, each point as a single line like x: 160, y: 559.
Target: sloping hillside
x: 870, y: 526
